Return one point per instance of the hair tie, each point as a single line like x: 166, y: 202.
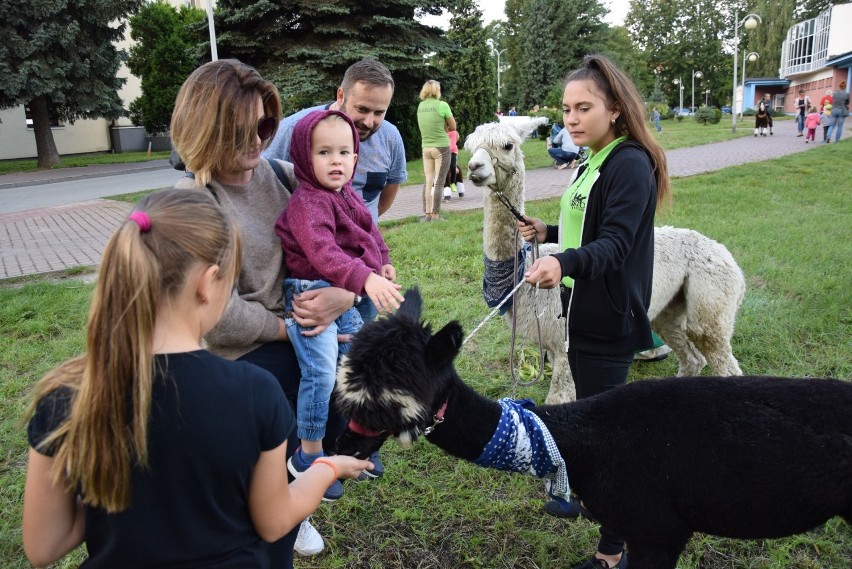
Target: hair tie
x: 142, y: 220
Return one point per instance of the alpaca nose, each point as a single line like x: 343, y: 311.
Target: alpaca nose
x: 473, y: 166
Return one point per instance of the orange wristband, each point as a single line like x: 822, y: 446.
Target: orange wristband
x: 327, y: 462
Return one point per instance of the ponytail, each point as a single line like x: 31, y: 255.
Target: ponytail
x: 144, y: 265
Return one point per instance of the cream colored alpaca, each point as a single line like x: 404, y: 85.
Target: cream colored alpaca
x: 697, y: 288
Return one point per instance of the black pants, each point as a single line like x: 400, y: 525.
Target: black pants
x: 279, y: 359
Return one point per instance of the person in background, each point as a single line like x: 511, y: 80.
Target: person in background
x: 655, y: 117
x: 826, y: 99
x: 454, y: 173
x: 564, y: 152
x: 435, y: 119
x: 802, y: 103
x: 606, y: 234
x: 825, y: 121
x: 839, y: 111
x: 225, y: 114
x: 147, y: 424
x: 767, y: 104
x: 512, y: 111
x: 329, y: 239
x: 812, y: 122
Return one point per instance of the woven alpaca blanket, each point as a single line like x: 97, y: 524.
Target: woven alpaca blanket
x: 498, y: 279
x: 522, y: 443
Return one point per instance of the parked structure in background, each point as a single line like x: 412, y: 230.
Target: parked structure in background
x: 815, y: 56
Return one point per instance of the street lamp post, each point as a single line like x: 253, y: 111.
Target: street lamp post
x: 706, y: 97
x: 679, y: 83
x: 494, y: 50
x: 214, y: 55
x: 699, y: 75
x: 750, y: 22
x: 753, y: 56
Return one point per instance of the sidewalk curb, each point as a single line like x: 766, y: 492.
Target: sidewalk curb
x: 81, y: 176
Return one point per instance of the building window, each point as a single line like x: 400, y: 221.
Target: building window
x: 806, y: 46
x: 54, y: 121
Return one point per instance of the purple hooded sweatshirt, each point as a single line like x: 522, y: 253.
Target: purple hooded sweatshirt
x: 327, y: 234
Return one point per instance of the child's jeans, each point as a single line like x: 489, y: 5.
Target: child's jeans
x: 318, y: 357
x: 811, y: 134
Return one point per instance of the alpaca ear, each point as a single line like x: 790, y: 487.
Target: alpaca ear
x: 525, y: 129
x: 444, y: 346
x: 413, y: 305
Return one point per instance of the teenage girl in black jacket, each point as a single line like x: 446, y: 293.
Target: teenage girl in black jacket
x: 606, y: 229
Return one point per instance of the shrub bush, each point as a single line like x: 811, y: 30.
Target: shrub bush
x: 749, y: 113
x: 708, y: 115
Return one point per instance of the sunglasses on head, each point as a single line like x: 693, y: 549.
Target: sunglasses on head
x: 265, y: 128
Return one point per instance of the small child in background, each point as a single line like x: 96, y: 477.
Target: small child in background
x: 812, y: 121
x: 825, y: 121
x: 454, y: 173
x: 329, y: 239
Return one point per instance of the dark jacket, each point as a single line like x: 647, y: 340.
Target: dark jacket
x: 613, y: 268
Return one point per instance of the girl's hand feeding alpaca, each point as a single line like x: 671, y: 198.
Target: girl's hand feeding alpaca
x: 384, y: 293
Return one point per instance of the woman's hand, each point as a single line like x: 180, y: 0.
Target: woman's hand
x: 546, y: 272
x: 389, y: 273
x: 532, y: 228
x: 318, y: 308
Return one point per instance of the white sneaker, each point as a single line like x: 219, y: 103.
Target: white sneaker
x: 653, y: 355
x: 309, y: 541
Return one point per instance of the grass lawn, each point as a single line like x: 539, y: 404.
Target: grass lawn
x: 787, y: 223
x: 79, y: 160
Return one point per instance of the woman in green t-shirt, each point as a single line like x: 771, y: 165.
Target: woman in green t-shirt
x: 435, y: 119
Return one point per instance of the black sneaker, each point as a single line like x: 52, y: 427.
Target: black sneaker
x: 595, y: 563
x: 297, y: 466
x: 561, y: 508
x: 378, y: 468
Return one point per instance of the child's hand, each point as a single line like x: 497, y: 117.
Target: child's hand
x: 389, y: 273
x: 384, y: 293
x: 349, y: 467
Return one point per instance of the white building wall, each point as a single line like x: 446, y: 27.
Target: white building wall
x: 840, y: 40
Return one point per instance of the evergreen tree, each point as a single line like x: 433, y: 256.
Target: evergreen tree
x: 162, y: 59
x: 472, y: 89
x: 59, y: 58
x: 767, y: 38
x: 511, y: 60
x: 304, y: 47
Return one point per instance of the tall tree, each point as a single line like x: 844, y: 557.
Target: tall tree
x: 162, y: 59
x: 305, y: 46
x: 766, y: 39
x: 472, y: 91
x: 554, y: 36
x: 510, y: 74
x: 60, y: 58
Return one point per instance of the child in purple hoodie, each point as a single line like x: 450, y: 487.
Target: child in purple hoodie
x: 329, y: 239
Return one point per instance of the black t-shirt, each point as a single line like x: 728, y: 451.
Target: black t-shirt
x: 210, y: 420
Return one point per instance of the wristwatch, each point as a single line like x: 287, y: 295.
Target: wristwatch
x: 358, y: 300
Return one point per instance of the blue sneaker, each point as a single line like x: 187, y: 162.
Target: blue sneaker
x: 378, y: 468
x: 561, y: 508
x: 297, y: 465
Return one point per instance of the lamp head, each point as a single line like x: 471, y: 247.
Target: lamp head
x: 750, y: 23
x: 753, y: 56
x: 698, y: 75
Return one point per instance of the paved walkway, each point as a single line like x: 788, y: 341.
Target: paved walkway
x: 55, y: 238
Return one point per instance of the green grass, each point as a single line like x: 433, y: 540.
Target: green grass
x: 80, y: 160
x: 787, y: 223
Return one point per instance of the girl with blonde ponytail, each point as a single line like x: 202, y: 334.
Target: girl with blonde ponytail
x: 150, y: 449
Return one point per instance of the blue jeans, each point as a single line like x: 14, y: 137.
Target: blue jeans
x: 317, y: 357
x: 561, y: 156
x: 835, y: 126
x: 657, y: 125
x: 800, y: 123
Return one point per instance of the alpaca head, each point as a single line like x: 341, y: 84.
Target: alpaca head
x: 395, y: 377
x: 496, y: 147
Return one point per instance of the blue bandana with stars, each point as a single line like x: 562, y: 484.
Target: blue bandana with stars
x: 523, y: 444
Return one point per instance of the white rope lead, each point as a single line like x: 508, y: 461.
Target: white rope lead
x: 494, y: 311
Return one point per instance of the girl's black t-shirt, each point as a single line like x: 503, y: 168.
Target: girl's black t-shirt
x: 210, y: 420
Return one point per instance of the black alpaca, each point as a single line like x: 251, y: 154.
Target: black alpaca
x: 740, y: 457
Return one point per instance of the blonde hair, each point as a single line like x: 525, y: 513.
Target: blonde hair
x: 105, y: 433
x: 619, y: 93
x: 214, y: 123
x: 431, y: 90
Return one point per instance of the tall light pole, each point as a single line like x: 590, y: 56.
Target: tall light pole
x: 753, y: 56
x: 213, y: 52
x: 679, y: 83
x: 498, y: 53
x: 706, y: 97
x: 699, y: 75
x: 750, y: 22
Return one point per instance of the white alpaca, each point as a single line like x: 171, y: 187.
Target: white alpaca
x: 697, y: 288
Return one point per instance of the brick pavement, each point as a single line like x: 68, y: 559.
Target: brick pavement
x: 56, y: 238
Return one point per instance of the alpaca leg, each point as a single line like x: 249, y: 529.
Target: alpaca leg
x: 717, y: 349
x: 562, y: 389
x: 671, y: 326
x: 644, y: 555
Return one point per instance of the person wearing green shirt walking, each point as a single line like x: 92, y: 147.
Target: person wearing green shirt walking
x: 435, y: 119
x: 606, y: 235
